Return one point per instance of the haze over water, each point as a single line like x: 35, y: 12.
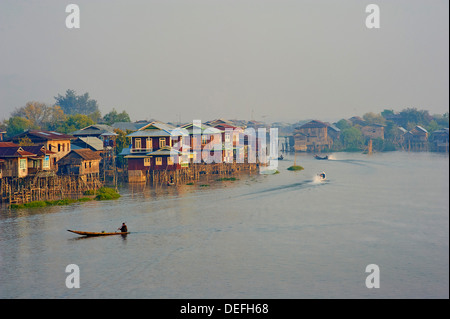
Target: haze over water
x: 261, y: 236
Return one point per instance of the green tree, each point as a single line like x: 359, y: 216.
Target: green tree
x: 74, y: 123
x: 373, y: 118
x: 343, y: 124
x: 441, y: 120
x: 113, y: 117
x: 352, y: 138
x: 76, y: 104
x: 122, y: 141
x: 387, y: 113
x: 414, y: 117
x: 16, y: 125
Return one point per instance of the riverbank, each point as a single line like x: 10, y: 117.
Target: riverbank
x: 103, y: 193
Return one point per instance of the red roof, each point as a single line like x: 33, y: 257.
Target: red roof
x: 7, y: 144
x: 15, y: 151
x: 42, y: 135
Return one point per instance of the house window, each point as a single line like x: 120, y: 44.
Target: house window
x: 90, y: 164
x: 64, y: 147
x: 147, y: 161
x: 59, y: 147
x: 204, y: 139
x: 50, y: 147
x: 227, y: 137
x: 149, y: 143
x: 170, y: 161
x: 158, y: 161
x: 162, y: 142
x: 46, y: 163
x: 137, y: 143
x: 23, y: 163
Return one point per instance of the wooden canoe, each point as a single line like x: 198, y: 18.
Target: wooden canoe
x: 87, y: 233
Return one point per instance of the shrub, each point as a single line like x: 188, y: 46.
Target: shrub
x: 295, y: 168
x: 106, y: 193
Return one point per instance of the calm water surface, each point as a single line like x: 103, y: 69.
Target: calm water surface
x: 261, y: 236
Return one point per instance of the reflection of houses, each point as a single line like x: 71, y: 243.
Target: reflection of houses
x: 373, y: 131
x: 58, y: 143
x: 312, y: 137
x: 14, y: 161
x: 80, y: 162
x: 439, y: 140
x: 417, y: 139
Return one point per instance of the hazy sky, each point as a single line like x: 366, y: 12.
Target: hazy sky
x: 238, y: 59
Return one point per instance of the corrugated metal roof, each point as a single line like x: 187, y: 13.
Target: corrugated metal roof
x: 421, y: 128
x: 91, y: 141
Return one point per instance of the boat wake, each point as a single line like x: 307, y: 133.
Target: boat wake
x: 306, y: 184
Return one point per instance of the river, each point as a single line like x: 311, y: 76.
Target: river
x: 286, y: 235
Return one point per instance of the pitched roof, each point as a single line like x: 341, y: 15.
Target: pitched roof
x: 38, y: 150
x: 81, y: 154
x: 91, y: 142
x: 8, y: 144
x: 87, y: 154
x: 210, y: 129
x: 155, y: 129
x: 314, y: 124
x: 124, y: 126
x: 42, y: 136
x: 96, y: 130
x: 165, y: 151
x: 14, y: 151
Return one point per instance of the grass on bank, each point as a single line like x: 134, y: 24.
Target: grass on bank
x: 295, y: 168
x: 227, y: 179
x: 104, y: 193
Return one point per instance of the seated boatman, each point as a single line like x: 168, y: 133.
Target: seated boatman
x: 123, y: 229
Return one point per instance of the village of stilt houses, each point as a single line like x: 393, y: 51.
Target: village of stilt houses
x: 38, y: 165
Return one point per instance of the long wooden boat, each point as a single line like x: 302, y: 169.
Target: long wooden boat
x: 87, y: 233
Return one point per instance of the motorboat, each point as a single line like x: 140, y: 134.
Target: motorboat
x: 321, y: 158
x: 322, y: 176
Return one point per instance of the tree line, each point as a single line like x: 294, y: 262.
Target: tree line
x: 351, y: 137
x: 69, y: 113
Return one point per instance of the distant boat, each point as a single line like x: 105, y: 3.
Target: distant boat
x: 321, y: 158
x: 92, y: 234
x: 280, y: 157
